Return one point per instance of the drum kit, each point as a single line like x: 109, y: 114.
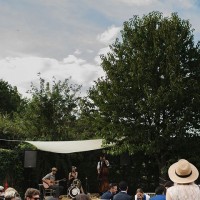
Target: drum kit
x: 74, y: 189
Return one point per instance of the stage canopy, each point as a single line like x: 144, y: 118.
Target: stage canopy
x: 67, y: 146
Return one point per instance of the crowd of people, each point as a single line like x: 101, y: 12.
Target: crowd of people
x: 181, y: 186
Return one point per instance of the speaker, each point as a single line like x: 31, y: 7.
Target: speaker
x: 30, y: 158
x: 124, y: 159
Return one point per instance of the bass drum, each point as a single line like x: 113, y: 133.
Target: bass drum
x: 76, y: 182
x: 73, y: 191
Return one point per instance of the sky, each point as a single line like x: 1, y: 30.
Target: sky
x: 64, y: 38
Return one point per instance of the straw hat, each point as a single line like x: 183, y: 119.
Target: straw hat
x: 183, y: 172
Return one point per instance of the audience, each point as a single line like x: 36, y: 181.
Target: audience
x: 32, y: 194
x: 122, y: 195
x: 160, y: 193
x: 111, y: 192
x: 11, y: 194
x: 167, y: 185
x: 1, y: 192
x: 140, y: 195
x: 183, y: 174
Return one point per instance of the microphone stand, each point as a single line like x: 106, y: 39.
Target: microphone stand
x: 86, y: 185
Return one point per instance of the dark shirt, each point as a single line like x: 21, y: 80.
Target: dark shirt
x: 107, y: 195
x: 122, y: 196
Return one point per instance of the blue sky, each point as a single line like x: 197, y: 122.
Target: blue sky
x: 64, y: 38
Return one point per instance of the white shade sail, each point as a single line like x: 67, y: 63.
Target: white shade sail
x: 67, y: 146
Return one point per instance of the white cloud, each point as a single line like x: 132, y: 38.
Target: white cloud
x: 21, y: 72
x: 108, y: 36
x: 102, y: 51
x: 73, y: 59
x: 77, y: 52
x: 138, y: 2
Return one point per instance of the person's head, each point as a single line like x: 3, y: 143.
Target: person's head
x: 183, y: 172
x: 160, y: 190
x: 11, y: 194
x: 32, y: 194
x: 113, y: 188
x: 139, y: 193
x: 168, y: 184
x: 54, y: 170
x: 73, y: 168
x: 82, y: 197
x: 1, y: 189
x: 104, y: 158
x: 101, y: 158
x: 123, y: 186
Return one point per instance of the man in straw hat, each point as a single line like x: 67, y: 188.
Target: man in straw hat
x: 183, y: 174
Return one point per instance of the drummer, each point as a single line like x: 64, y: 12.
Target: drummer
x: 73, y: 178
x: 72, y: 175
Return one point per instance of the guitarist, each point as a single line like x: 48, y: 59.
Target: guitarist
x: 50, y: 181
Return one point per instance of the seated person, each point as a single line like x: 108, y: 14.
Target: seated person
x: 11, y: 194
x: 73, y: 179
x: 122, y: 195
x: 160, y: 193
x: 111, y: 192
x: 1, y: 193
x: 50, y: 182
x: 32, y: 193
x: 72, y: 175
x: 140, y: 195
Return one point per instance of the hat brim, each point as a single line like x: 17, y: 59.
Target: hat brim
x: 177, y: 179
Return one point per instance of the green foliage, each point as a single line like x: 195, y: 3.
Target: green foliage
x: 9, y: 129
x: 10, y: 99
x: 51, y: 112
x: 11, y: 168
x: 148, y: 101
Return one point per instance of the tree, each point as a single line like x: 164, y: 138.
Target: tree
x: 149, y: 99
x: 11, y: 103
x: 52, y: 111
x: 10, y: 99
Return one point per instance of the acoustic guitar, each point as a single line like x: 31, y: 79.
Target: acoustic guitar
x: 47, y: 183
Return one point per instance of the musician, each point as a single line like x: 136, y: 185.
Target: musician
x: 73, y: 177
x: 102, y: 163
x: 103, y: 172
x: 50, y: 179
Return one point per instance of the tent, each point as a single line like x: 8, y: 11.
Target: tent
x: 67, y: 146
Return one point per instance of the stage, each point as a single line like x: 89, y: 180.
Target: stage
x: 93, y: 196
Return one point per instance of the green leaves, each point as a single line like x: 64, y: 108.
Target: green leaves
x: 53, y: 109
x: 151, y: 87
x: 10, y: 99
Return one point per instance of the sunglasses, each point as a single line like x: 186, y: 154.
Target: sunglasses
x: 35, y: 198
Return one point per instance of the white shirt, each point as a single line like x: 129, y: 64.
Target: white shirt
x: 183, y: 192
x: 99, y: 164
x: 147, y: 196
